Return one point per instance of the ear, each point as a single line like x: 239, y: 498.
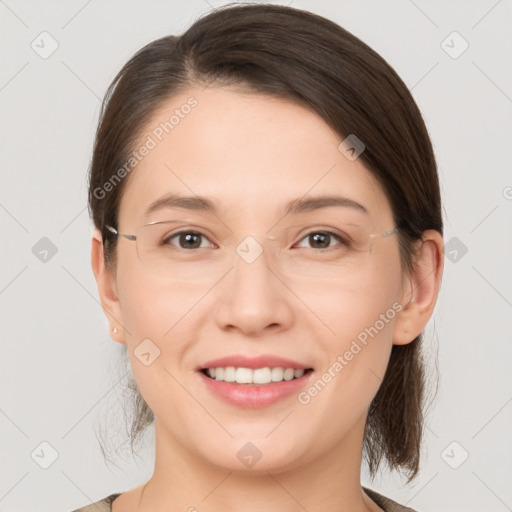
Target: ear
x: 105, y: 280
x: 421, y: 288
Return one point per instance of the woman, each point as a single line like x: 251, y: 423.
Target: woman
x: 268, y: 248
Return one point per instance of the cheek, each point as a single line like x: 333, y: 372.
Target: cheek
x: 161, y: 322
x: 150, y: 312
x: 357, y: 320
x: 152, y: 307
x: 346, y: 307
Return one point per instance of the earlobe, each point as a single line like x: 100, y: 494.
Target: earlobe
x: 420, y: 295
x: 105, y: 281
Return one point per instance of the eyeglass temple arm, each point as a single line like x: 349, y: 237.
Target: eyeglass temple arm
x: 389, y: 233
x: 114, y: 230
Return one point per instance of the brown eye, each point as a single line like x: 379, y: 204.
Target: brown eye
x: 187, y: 240
x: 322, y: 239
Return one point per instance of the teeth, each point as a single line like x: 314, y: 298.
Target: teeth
x: 258, y: 376
x: 229, y: 374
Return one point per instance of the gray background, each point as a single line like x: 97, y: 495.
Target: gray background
x: 59, y: 372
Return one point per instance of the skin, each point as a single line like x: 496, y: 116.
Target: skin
x: 253, y: 154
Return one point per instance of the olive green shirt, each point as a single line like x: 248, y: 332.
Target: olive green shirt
x: 387, y: 504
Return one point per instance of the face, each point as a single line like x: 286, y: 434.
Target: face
x: 287, y: 305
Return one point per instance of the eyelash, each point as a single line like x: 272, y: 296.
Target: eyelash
x: 344, y: 242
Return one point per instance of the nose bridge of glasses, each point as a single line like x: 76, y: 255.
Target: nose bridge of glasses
x: 263, y: 237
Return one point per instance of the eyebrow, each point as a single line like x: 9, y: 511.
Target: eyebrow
x: 294, y: 207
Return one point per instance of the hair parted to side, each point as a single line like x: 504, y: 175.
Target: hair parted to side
x: 300, y: 56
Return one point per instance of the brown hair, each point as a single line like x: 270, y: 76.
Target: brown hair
x: 297, y: 55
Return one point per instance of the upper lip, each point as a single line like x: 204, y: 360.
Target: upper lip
x: 239, y: 361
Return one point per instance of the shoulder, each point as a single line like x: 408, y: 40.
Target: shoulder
x: 104, y: 505
x: 386, y: 503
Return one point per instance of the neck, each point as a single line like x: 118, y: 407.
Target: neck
x: 330, y: 481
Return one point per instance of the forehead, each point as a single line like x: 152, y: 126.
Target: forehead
x: 252, y: 154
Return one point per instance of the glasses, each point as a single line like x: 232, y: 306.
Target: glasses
x: 187, y: 253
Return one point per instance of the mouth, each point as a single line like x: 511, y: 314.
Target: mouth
x: 255, y: 376
x: 254, y: 382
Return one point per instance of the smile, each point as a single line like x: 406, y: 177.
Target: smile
x: 261, y: 376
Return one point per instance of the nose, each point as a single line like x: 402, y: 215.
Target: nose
x: 252, y: 298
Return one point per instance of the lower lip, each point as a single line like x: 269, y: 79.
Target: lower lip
x: 253, y: 396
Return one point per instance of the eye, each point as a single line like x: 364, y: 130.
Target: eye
x: 191, y: 240
x: 322, y: 239
x: 187, y: 240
